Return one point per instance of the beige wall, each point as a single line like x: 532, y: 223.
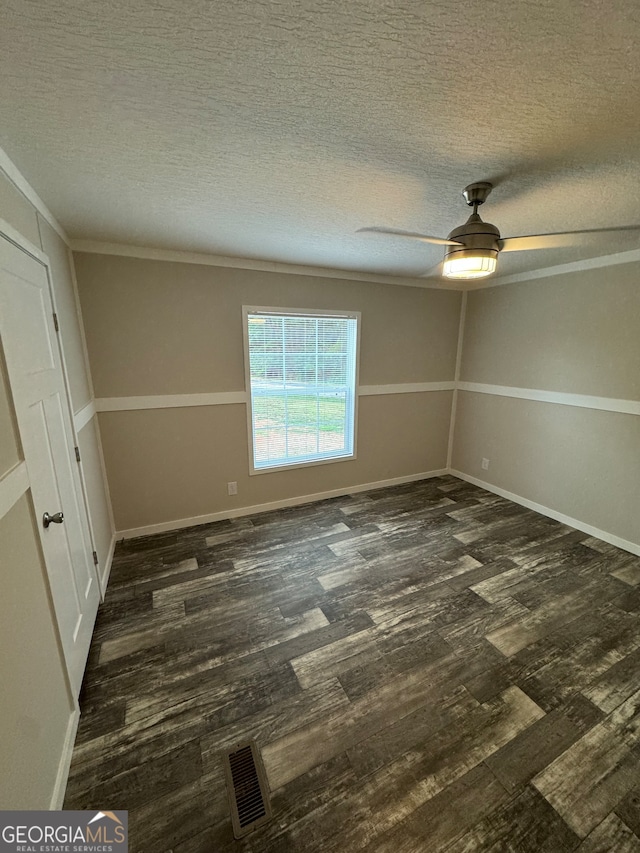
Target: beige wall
x: 581, y: 462
x: 576, y: 333
x: 170, y: 464
x: 35, y: 705
x: 156, y: 328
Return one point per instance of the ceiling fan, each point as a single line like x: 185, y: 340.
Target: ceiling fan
x: 472, y: 249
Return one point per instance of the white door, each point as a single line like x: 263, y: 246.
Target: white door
x: 33, y: 363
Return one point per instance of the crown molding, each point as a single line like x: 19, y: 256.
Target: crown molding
x: 19, y: 181
x: 96, y: 247
x: 598, y: 262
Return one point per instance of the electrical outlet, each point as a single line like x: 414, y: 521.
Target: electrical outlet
x: 232, y: 488
x: 485, y: 464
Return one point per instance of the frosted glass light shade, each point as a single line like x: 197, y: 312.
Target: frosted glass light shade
x: 475, y: 266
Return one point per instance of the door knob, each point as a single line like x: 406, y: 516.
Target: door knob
x: 56, y: 518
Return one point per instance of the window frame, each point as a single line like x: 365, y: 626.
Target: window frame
x: 297, y: 312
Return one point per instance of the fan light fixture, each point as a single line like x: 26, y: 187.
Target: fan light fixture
x: 471, y: 250
x: 480, y: 263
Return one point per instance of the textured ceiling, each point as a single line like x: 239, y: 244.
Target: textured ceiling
x: 274, y: 130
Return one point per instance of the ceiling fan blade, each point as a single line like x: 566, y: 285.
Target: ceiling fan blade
x: 557, y: 240
x: 433, y: 272
x: 396, y: 232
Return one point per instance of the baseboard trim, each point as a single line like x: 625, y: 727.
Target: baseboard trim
x: 167, y: 526
x: 632, y: 547
x: 57, y: 798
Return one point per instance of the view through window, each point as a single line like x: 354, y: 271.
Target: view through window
x: 302, y: 374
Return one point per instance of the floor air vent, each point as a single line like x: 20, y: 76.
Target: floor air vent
x: 248, y: 789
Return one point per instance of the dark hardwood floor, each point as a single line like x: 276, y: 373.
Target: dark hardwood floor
x: 426, y: 667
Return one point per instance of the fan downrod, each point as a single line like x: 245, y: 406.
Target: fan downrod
x: 477, y: 193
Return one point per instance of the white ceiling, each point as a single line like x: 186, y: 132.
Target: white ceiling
x: 274, y: 130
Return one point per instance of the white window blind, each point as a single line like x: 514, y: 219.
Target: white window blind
x: 302, y: 372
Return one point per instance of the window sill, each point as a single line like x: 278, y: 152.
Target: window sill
x: 272, y: 469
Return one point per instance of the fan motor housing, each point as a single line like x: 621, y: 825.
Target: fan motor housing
x: 474, y: 234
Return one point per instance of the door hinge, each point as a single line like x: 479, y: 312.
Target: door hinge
x: 95, y: 558
x: 55, y: 321
x: 77, y: 450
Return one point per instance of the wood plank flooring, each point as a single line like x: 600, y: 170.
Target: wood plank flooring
x: 427, y: 667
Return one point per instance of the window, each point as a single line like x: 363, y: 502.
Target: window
x: 301, y: 372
